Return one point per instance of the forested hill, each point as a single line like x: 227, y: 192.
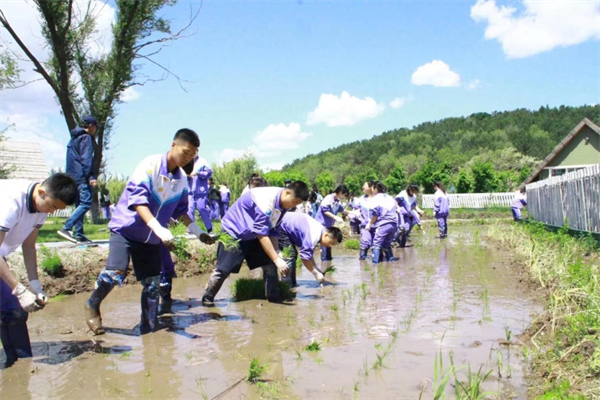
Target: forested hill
x: 453, y: 149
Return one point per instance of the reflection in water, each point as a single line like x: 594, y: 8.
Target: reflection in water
x: 379, y: 327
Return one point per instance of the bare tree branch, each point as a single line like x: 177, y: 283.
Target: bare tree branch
x: 168, y: 71
x: 69, y: 19
x: 24, y: 84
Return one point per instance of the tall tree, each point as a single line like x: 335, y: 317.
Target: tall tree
x: 9, y: 77
x: 138, y: 34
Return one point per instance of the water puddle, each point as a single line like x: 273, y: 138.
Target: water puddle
x: 380, y: 329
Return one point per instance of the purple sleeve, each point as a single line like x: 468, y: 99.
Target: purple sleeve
x: 261, y: 223
x: 416, y: 217
x: 205, y: 172
x: 437, y: 204
x: 306, y: 251
x: 375, y: 212
x: 139, y: 194
x: 182, y: 206
x: 524, y: 202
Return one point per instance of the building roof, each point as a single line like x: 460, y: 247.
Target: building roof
x: 27, y: 157
x: 584, y: 122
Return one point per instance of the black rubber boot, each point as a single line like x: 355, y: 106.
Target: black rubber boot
x: 213, y: 286
x: 166, y: 285
x: 92, y: 306
x: 149, y: 302
x: 362, y: 255
x: 271, y: 279
x: 15, y: 336
x: 388, y: 254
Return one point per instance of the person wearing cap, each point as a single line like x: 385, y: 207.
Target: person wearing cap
x: 80, y: 161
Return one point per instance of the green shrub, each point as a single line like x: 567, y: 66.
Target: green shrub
x: 254, y: 289
x: 51, y: 263
x: 352, y: 244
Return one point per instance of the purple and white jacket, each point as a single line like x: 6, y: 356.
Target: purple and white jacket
x: 303, y: 231
x: 256, y: 212
x: 152, y: 185
x: 406, y: 203
x: 198, y: 185
x: 519, y: 201
x: 441, y: 204
x: 329, y: 204
x: 383, y: 206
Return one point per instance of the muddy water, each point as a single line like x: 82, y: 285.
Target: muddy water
x: 453, y: 297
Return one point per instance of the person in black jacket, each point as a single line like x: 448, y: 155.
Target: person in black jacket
x: 80, y: 160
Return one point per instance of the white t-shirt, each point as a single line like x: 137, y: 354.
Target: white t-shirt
x: 18, y: 217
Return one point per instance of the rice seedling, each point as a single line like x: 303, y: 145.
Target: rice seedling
x: 319, y: 360
x: 499, y: 363
x: 313, y: 346
x: 379, y: 362
x: 256, y: 370
x: 229, y: 242
x: 440, y: 377
x: 180, y: 248
x: 299, y: 263
x: 330, y: 270
x: 269, y: 390
x: 59, y: 297
x: 200, y: 388
x: 485, y: 312
x: 288, y: 319
x: 299, y: 355
x: 352, y: 244
x: 51, y: 263
x: 365, y: 369
x: 254, y: 288
x: 287, y: 252
x: 365, y: 291
x: 148, y: 374
x: 508, y: 334
x: 471, y: 389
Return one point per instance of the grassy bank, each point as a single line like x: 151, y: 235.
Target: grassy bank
x: 565, y: 339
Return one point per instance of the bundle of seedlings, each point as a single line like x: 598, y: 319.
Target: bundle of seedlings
x: 254, y: 289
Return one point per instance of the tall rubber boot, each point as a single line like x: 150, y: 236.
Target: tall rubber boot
x: 15, y: 336
x: 376, y: 255
x: 271, y: 279
x: 149, y: 302
x: 362, y: 255
x: 388, y: 254
x: 291, y: 277
x: 213, y: 286
x: 166, y: 285
x: 403, y: 239
x: 104, y: 284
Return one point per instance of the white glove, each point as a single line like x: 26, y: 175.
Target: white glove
x: 339, y: 220
x: 27, y: 300
x: 163, y: 233
x: 318, y: 275
x: 282, y: 266
x: 368, y: 227
x: 37, y: 288
x: 202, y: 235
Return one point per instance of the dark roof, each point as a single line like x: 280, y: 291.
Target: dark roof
x: 584, y: 122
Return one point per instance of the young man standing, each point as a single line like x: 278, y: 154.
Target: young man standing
x: 252, y: 220
x: 214, y: 197
x: 155, y: 193
x: 198, y: 195
x: 225, y: 198
x: 24, y: 207
x: 80, y: 161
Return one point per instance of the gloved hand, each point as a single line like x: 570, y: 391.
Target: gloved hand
x: 37, y: 288
x: 28, y: 301
x: 202, y: 235
x: 318, y: 275
x: 368, y: 227
x: 163, y: 233
x: 282, y: 266
x: 337, y: 219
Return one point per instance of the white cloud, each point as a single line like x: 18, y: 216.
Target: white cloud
x: 474, y: 84
x: 436, y: 73
x: 541, y: 26
x: 281, y: 137
x: 345, y: 110
x: 400, y: 101
x: 130, y: 94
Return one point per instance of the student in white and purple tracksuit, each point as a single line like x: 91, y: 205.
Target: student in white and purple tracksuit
x: 366, y: 235
x: 327, y: 214
x: 384, y: 219
x: 441, y: 208
x: 408, y: 212
x: 214, y: 200
x: 198, y: 192
x: 225, y: 198
x: 306, y: 233
x: 353, y: 204
x: 518, y: 203
x: 156, y: 192
x: 24, y: 207
x: 252, y: 220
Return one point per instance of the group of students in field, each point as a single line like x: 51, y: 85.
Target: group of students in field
x: 170, y: 186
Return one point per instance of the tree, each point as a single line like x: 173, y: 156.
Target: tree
x: 396, y: 180
x: 103, y: 78
x: 9, y: 76
x: 430, y: 173
x: 325, y: 183
x: 464, y: 182
x: 484, y: 178
x: 533, y: 142
x: 236, y: 173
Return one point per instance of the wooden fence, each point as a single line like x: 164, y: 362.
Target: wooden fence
x: 573, y: 198
x: 473, y: 200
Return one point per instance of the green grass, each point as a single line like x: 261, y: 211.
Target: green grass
x: 568, y: 268
x: 51, y: 263
x: 254, y: 288
x: 92, y: 231
x: 180, y: 248
x: 256, y: 370
x: 352, y: 244
x: 313, y: 346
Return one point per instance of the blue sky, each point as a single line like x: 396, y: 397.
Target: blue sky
x: 257, y: 69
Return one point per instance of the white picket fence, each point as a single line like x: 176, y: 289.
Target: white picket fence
x: 66, y: 213
x: 473, y: 200
x: 573, y: 197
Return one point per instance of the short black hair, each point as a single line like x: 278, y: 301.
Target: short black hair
x: 335, y: 233
x: 187, y: 135
x: 343, y: 189
x: 62, y: 187
x: 300, y: 190
x: 380, y: 187
x: 257, y: 181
